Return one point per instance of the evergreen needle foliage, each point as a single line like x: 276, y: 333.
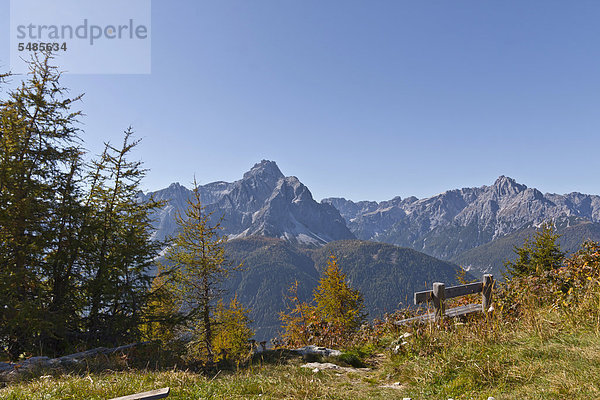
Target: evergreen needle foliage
x: 40, y: 161
x: 536, y: 256
x: 199, y: 267
x: 75, y: 243
x: 119, y: 252
x: 337, y: 312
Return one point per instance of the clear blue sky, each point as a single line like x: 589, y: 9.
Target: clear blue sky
x: 361, y: 99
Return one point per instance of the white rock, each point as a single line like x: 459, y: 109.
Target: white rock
x: 319, y: 366
x: 323, y: 351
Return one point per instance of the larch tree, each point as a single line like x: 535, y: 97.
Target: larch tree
x: 232, y: 331
x: 198, y: 267
x: 298, y: 321
x: 76, y: 248
x: 336, y: 311
x: 336, y: 302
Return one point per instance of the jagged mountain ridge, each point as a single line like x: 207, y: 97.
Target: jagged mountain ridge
x: 264, y: 202
x: 457, y: 220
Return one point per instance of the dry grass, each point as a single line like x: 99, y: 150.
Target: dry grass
x: 538, y: 352
x: 539, y: 357
x: 272, y: 382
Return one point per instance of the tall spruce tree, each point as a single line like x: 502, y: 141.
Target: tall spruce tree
x: 40, y: 157
x: 537, y: 255
x: 119, y: 253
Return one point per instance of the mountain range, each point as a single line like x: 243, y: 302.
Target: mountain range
x: 454, y: 222
x: 491, y: 219
x: 387, y: 249
x: 386, y: 275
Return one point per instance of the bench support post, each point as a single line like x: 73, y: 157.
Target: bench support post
x: 439, y: 297
x: 486, y: 293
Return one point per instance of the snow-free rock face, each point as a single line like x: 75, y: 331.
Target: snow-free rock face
x: 264, y: 202
x: 457, y: 220
x: 176, y: 197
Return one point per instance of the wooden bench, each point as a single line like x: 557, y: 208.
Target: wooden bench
x: 151, y: 395
x: 439, y: 294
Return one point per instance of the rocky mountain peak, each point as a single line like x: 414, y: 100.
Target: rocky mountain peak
x: 505, y: 185
x: 265, y: 171
x: 176, y: 187
x: 264, y: 202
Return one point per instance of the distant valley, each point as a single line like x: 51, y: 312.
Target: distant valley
x: 385, y: 274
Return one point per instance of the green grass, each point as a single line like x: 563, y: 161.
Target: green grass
x: 474, y: 361
x: 272, y: 382
x: 471, y: 361
x: 540, y: 355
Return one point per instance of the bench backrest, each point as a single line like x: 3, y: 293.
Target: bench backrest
x: 439, y: 294
x: 451, y: 292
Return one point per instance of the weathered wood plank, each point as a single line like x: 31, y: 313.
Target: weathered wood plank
x: 463, y: 310
x: 439, y: 299
x: 423, y: 297
x: 451, y: 313
x: 451, y: 292
x: 486, y: 293
x: 463, y: 290
x: 151, y: 395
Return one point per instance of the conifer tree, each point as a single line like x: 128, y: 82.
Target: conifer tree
x: 75, y: 256
x: 336, y: 311
x: 40, y: 158
x: 336, y: 302
x: 536, y: 256
x: 119, y: 252
x: 199, y: 266
x: 298, y: 321
x: 232, y: 331
x: 163, y: 311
